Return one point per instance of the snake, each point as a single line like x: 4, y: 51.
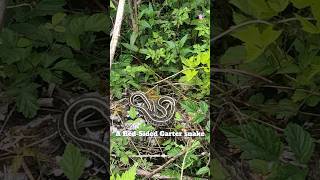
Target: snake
x: 68, y: 130
x: 158, y: 113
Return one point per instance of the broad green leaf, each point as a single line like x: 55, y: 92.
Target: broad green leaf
x: 218, y: 172
x: 96, y: 23
x: 312, y: 100
x: 73, y: 41
x: 189, y: 74
x: 278, y: 5
x: 59, y: 29
x: 70, y: 66
x: 203, y: 170
x: 301, y: 3
x: 26, y: 97
x: 288, y: 172
x: 131, y: 47
x: 258, y: 8
x: 234, y: 55
x: 48, y: 7
x: 308, y: 26
x: 255, y: 140
x: 57, y: 18
x: 132, y: 113
x: 24, y: 42
x: 300, y: 142
x: 72, y: 162
x: 256, y: 41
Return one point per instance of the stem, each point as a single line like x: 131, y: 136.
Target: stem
x: 116, y: 30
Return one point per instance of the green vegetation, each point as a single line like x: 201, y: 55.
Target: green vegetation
x: 267, y: 97
x: 164, y: 50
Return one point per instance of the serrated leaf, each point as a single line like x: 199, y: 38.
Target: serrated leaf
x: 26, y: 99
x: 72, y: 162
x: 308, y: 26
x: 57, y: 18
x: 288, y: 172
x: 70, y: 66
x: 256, y: 41
x: 300, y: 142
x: 132, y: 113
x: 255, y: 140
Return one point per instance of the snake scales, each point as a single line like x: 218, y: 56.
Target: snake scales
x: 69, y: 133
x: 158, y: 113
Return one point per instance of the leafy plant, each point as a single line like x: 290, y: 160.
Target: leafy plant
x: 72, y: 162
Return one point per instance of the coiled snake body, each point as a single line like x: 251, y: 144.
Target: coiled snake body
x: 158, y: 113
x: 68, y: 131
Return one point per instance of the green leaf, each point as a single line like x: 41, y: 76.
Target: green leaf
x: 278, y: 5
x: 203, y: 170
x: 257, y: 8
x: 57, y: 18
x: 59, y: 29
x: 131, y: 47
x: 72, y: 162
x: 73, y: 41
x: 48, y: 7
x: 300, y: 142
x: 24, y: 42
x: 130, y: 174
x: 189, y: 106
x: 26, y: 98
x: 288, y: 172
x: 301, y: 3
x: 255, y: 140
x: 190, y: 74
x: 70, y: 66
x: 308, y: 26
x: 256, y: 41
x: 234, y: 55
x: 218, y: 172
x: 132, y: 113
x: 97, y: 22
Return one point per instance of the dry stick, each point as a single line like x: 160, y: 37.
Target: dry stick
x: 116, y: 30
x: 27, y: 170
x: 7, y: 118
x: 167, y: 163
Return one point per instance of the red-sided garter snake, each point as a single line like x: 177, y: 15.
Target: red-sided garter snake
x: 68, y: 131
x: 158, y: 113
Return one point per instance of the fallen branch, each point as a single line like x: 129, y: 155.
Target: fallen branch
x: 116, y: 30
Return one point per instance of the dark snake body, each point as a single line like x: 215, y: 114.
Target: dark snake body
x: 158, y: 113
x: 68, y: 130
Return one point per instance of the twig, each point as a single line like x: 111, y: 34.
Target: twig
x: 258, y: 21
x: 167, y: 163
x: 42, y: 140
x: 19, y: 5
x: 27, y: 170
x: 116, y: 30
x: 7, y: 118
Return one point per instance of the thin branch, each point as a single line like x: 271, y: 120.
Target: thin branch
x: 116, y: 30
x: 20, y: 5
x: 167, y: 163
x: 258, y: 21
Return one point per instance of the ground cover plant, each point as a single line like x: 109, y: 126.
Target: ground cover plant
x: 163, y: 50
x: 266, y: 89
x: 50, y: 53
